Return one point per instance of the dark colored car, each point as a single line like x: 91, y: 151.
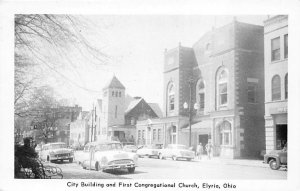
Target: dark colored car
x: 276, y: 159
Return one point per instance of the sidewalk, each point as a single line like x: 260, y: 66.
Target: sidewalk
x: 240, y: 162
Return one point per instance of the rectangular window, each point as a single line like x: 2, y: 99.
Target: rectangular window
x: 171, y: 104
x: 251, y: 92
x: 139, y: 134
x: 154, y: 134
x: 275, y: 46
x: 143, y: 134
x: 286, y: 46
x: 223, y: 93
x: 201, y: 101
x: 159, y: 135
x: 116, y: 111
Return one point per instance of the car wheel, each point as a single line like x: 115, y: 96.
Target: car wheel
x: 174, y: 157
x: 131, y: 170
x: 188, y: 159
x: 274, y: 164
x: 71, y: 160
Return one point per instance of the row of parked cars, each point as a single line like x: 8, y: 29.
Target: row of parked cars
x: 173, y: 151
x: 108, y: 155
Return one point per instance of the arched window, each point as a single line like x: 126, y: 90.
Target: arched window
x: 276, y: 88
x: 286, y: 86
x: 222, y: 88
x: 171, y: 97
x: 201, y: 94
x: 225, y: 133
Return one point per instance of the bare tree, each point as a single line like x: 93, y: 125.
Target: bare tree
x: 41, y: 44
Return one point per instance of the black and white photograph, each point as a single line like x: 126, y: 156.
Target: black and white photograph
x: 148, y: 101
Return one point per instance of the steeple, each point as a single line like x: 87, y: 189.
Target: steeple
x: 114, y: 83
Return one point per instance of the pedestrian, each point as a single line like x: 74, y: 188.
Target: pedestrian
x: 208, y: 148
x: 199, y: 151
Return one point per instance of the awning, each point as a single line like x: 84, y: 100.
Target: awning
x: 202, y: 127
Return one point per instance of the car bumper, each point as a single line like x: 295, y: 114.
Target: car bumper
x: 185, y: 157
x: 61, y: 158
x: 119, y: 166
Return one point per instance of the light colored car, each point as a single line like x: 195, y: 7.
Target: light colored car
x: 106, y: 155
x: 56, y: 152
x: 148, y: 151
x: 176, y: 151
x: 130, y: 148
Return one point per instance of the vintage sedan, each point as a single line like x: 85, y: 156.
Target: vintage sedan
x: 130, y: 148
x: 56, y: 152
x: 148, y: 151
x: 106, y: 155
x: 176, y: 151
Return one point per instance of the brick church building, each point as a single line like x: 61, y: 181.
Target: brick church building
x: 224, y: 73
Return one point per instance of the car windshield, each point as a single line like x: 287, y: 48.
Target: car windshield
x: 58, y: 146
x: 151, y: 146
x: 106, y: 147
x: 130, y: 146
x: 177, y: 147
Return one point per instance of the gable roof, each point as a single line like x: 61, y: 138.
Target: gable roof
x: 132, y: 105
x: 114, y: 83
x: 155, y: 107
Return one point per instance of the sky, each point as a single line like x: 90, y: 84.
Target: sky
x: 135, y: 46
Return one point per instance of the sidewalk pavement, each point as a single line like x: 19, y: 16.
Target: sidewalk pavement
x: 240, y: 162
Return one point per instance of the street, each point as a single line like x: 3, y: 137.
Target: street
x: 151, y: 168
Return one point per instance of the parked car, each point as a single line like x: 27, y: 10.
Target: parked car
x: 276, y: 159
x: 148, y: 151
x: 56, y: 152
x: 176, y: 151
x: 130, y: 148
x: 106, y: 155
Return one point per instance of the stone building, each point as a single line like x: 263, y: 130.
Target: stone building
x: 224, y: 73
x: 52, y: 124
x: 117, y: 113
x: 276, y: 81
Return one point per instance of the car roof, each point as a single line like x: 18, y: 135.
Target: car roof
x: 174, y: 145
x: 102, y: 142
x: 56, y: 143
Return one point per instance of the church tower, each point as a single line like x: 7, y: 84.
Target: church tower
x: 113, y: 104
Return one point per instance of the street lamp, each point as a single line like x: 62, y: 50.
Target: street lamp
x: 188, y: 106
